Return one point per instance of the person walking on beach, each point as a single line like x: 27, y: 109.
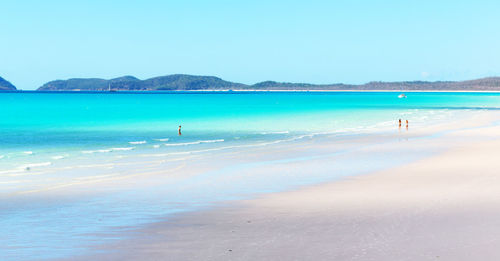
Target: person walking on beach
x: 400, y: 123
x: 180, y: 130
x: 406, y: 124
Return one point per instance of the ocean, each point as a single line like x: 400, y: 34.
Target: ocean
x: 77, y: 168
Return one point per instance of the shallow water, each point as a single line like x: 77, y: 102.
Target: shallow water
x: 74, y: 167
x: 46, y: 127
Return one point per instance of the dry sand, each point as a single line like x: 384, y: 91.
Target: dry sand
x: 443, y: 207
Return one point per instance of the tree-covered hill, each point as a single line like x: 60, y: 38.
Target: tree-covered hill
x: 6, y: 85
x: 130, y: 83
x: 183, y: 82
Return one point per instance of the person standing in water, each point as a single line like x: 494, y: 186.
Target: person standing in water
x: 406, y: 124
x: 180, y: 130
x: 400, y: 123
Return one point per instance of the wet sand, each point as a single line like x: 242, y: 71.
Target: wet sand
x: 442, y: 207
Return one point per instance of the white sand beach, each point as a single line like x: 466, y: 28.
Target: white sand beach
x: 445, y: 206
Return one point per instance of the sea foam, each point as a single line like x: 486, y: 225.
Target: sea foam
x: 33, y: 165
x: 275, y: 132
x: 122, y: 149
x: 137, y: 142
x: 193, y: 142
x: 95, y: 151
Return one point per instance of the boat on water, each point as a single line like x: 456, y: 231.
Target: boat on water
x: 402, y: 95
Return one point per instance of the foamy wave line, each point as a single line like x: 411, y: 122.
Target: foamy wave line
x: 24, y: 168
x: 28, y: 152
x: 165, y: 139
x: 229, y: 147
x: 182, y: 144
x: 275, y: 132
x: 12, y: 171
x: 107, y: 150
x: 59, y: 157
x: 95, y: 151
x: 137, y: 142
x: 193, y: 143
x: 2, y: 156
x: 33, y: 165
x: 211, y: 141
x: 92, y: 166
x: 122, y: 149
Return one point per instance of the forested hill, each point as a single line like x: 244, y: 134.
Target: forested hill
x: 6, y: 85
x: 182, y: 82
x: 130, y: 83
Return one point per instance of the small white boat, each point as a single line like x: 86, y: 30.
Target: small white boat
x: 402, y: 95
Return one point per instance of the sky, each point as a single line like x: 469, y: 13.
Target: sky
x: 249, y: 41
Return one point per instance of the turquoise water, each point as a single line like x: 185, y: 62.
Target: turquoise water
x: 51, y: 141
x: 46, y: 121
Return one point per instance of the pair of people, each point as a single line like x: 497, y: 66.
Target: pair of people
x: 400, y: 123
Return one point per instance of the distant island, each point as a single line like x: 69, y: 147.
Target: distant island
x: 183, y: 82
x: 6, y: 85
x: 174, y: 82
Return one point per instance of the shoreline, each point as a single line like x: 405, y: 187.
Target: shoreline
x: 247, y: 90
x: 144, y: 190
x: 287, y: 225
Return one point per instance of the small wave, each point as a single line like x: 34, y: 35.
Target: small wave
x: 122, y: 149
x: 211, y: 141
x: 262, y: 144
x: 275, y: 132
x: 11, y: 171
x: 107, y: 150
x: 33, y: 165
x: 28, y: 152
x: 2, y: 156
x: 137, y: 142
x: 156, y: 146
x: 193, y: 143
x: 181, y: 144
x: 166, y: 154
x: 95, y: 165
x: 95, y: 151
x: 165, y: 139
x: 58, y: 157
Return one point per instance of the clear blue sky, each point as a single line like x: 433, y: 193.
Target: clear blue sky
x: 297, y: 41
